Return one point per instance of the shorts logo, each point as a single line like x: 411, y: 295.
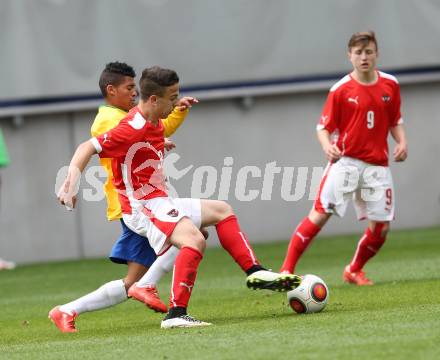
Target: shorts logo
x: 173, y: 213
x: 386, y: 98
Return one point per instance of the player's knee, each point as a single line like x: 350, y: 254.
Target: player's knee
x: 201, y: 242
x: 214, y: 211
x: 318, y: 218
x: 385, y: 229
x: 224, y: 210
x: 197, y: 241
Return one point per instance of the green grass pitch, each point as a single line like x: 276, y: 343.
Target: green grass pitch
x: 398, y: 318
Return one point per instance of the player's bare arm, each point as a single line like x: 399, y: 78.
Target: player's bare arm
x: 400, y: 152
x: 83, y: 153
x: 331, y: 151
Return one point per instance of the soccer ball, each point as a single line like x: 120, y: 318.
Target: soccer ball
x: 310, y: 296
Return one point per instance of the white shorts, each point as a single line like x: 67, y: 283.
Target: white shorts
x: 369, y: 186
x: 156, y: 219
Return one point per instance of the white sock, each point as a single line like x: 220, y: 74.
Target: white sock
x: 162, y: 265
x: 107, y: 295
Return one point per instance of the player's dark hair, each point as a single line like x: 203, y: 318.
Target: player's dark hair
x: 362, y: 38
x: 155, y: 80
x: 114, y: 74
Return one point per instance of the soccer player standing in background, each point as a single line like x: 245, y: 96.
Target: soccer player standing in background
x: 361, y: 109
x: 117, y: 84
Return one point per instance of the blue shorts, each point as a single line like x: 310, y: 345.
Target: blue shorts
x: 132, y: 247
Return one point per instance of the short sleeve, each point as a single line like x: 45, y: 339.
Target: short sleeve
x: 329, y: 115
x: 116, y: 142
x: 396, y: 116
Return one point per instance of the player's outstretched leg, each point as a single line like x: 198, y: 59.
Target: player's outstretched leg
x: 107, y: 295
x: 235, y: 242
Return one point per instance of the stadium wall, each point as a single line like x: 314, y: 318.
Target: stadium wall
x: 54, y: 48
x: 253, y: 132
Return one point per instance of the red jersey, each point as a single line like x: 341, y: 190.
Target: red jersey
x: 362, y: 115
x: 136, y: 148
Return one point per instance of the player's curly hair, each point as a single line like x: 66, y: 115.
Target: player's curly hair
x: 155, y: 79
x: 362, y: 38
x: 114, y: 74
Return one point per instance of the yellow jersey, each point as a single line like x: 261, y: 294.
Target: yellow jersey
x: 107, y: 118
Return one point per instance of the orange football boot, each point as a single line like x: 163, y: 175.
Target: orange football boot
x: 357, y: 278
x: 63, y: 321
x: 149, y: 296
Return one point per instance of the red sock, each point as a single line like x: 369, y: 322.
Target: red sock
x: 300, y: 240
x: 368, y: 246
x: 236, y: 243
x: 184, y: 276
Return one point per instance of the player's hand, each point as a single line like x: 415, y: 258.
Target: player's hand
x: 169, y: 144
x: 332, y: 152
x: 66, y: 197
x: 400, y: 152
x: 186, y: 103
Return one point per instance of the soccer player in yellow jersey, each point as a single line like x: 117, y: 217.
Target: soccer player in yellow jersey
x: 118, y: 87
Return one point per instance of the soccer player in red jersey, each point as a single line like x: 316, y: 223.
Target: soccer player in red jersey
x: 136, y: 147
x: 118, y: 87
x: 361, y: 109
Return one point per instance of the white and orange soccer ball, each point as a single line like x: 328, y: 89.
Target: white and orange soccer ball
x: 310, y: 297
